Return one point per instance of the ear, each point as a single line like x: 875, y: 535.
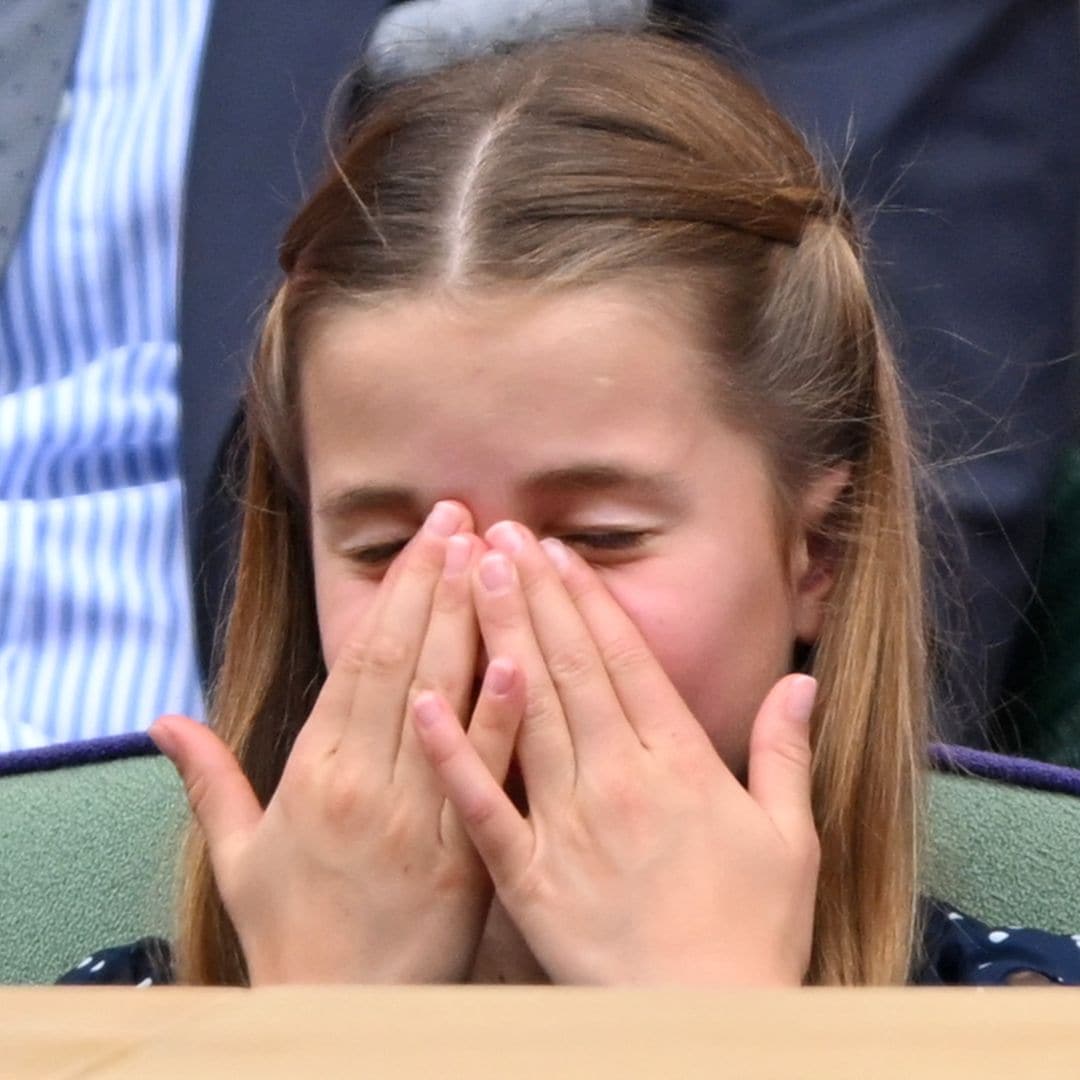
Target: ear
x: 814, y: 559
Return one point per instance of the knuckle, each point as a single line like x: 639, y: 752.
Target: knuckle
x: 477, y: 811
x: 378, y: 656
x: 793, y: 752
x: 452, y: 877
x: 448, y: 599
x: 532, y: 887
x: 427, y: 556
x: 582, y: 583
x: 342, y: 796
x: 625, y: 799
x: 493, y: 719
x: 497, y: 612
x: 198, y: 793
x: 572, y: 664
x: 534, y: 586
x: 450, y: 686
x: 539, y: 708
x: 626, y: 654
x: 443, y: 754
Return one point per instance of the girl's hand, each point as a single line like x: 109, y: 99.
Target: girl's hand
x: 643, y: 859
x: 358, y: 870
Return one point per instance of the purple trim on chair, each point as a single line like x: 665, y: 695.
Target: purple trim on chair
x: 1024, y: 772
x: 961, y: 760
x: 87, y: 752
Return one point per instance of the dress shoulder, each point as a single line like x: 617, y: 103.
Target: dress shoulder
x: 959, y: 950
x: 146, y: 962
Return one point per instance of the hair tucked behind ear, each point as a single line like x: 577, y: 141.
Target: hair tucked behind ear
x: 600, y: 158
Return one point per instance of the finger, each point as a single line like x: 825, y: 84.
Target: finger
x: 779, y: 778
x: 492, y: 731
x: 447, y: 662
x: 648, y: 699
x: 384, y: 661
x: 500, y: 834
x: 544, y: 746
x: 595, y: 718
x: 218, y: 793
x: 496, y: 719
x: 329, y: 719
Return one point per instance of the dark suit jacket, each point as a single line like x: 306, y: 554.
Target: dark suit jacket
x: 269, y: 73
x: 258, y: 142
x: 958, y: 120
x: 964, y: 119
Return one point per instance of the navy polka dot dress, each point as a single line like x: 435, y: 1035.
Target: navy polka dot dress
x: 961, y: 951
x: 957, y: 951
x: 146, y: 962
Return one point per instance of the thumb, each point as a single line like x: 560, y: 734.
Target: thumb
x: 218, y: 793
x: 780, y: 758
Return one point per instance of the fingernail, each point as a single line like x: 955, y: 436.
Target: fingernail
x: 506, y: 536
x: 499, y: 677
x: 458, y: 550
x: 444, y: 519
x: 800, y: 698
x: 426, y: 708
x: 496, y: 573
x: 557, y: 554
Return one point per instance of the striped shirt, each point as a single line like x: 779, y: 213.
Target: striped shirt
x: 96, y: 628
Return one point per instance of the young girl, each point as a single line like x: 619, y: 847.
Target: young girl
x: 578, y: 629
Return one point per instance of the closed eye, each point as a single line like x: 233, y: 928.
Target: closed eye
x: 375, y: 555
x: 612, y: 540
x: 616, y: 540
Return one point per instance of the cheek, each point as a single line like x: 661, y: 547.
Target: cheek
x: 722, y: 642
x: 342, y: 600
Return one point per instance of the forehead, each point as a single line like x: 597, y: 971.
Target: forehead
x: 490, y: 399
x: 564, y: 361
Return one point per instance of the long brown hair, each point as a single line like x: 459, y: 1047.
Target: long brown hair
x: 601, y: 157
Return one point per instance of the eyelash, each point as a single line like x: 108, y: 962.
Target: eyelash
x: 614, y: 540
x: 376, y: 554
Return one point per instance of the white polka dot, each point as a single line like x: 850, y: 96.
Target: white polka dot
x: 1076, y: 940
x: 998, y: 936
x: 145, y: 982
x: 982, y: 966
x: 955, y: 916
x: 97, y: 967
x: 83, y: 963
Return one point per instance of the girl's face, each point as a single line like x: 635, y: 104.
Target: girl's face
x: 583, y: 415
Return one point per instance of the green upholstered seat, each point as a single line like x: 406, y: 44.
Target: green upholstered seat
x: 88, y: 854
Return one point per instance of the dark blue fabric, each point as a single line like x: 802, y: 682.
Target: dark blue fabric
x: 1021, y: 772
x: 257, y: 148
x: 146, y: 962
x: 82, y: 752
x: 958, y: 120
x: 961, y: 951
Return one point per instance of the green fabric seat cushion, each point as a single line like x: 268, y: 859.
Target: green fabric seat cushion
x: 89, y: 855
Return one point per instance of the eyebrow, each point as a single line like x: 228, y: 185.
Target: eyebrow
x: 370, y: 498
x: 579, y: 478
x: 588, y: 477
